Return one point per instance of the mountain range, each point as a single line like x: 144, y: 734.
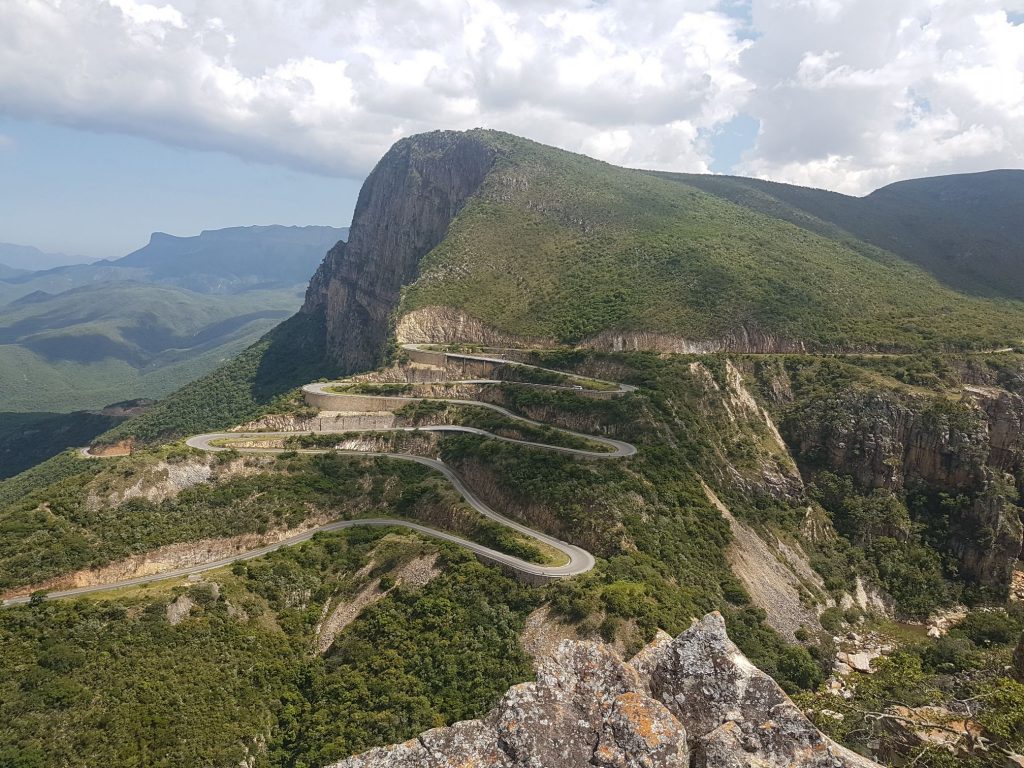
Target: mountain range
x: 28, y: 258
x: 78, y: 337
x: 816, y: 406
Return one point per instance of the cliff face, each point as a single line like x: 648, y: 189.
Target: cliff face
x: 693, y: 701
x: 974, y: 447
x: 403, y: 211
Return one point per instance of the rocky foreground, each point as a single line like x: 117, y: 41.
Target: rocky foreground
x: 693, y: 701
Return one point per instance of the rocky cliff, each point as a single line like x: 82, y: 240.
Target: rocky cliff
x: 974, y: 447
x: 693, y: 701
x: 403, y: 211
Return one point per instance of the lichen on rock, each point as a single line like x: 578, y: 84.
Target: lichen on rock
x: 692, y: 701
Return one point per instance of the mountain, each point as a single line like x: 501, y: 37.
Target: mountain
x: 31, y: 259
x: 77, y: 337
x: 222, y: 261
x: 239, y: 258
x: 531, y: 243
x: 965, y: 229
x: 6, y: 271
x: 818, y: 438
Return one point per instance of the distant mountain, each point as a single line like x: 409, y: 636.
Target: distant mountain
x: 32, y: 259
x: 74, y: 338
x: 6, y: 271
x: 484, y: 237
x: 215, y: 261
x: 239, y: 258
x: 967, y: 229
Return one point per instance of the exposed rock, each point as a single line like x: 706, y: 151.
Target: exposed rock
x: 744, y: 340
x: 693, y: 697
x: 773, y: 473
x: 890, y: 440
x: 648, y: 657
x: 640, y: 733
x: 941, y: 622
x: 417, y: 572
x: 859, y: 661
x: 932, y: 727
x: 543, y: 633
x: 179, y: 610
x: 447, y: 325
x: 403, y: 211
x: 736, y: 714
x: 773, y: 587
x: 120, y: 448
x: 989, y: 540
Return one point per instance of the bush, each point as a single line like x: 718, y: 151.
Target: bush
x: 987, y: 628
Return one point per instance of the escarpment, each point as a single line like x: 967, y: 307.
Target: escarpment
x: 403, y: 211
x: 693, y: 701
x: 971, y: 450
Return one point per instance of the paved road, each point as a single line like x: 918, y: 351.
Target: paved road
x: 578, y: 559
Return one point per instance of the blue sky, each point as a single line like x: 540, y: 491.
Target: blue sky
x: 100, y: 195
x: 180, y: 115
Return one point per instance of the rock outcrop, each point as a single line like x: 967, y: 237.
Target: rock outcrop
x: 693, y: 701
x: 886, y: 440
x: 403, y: 211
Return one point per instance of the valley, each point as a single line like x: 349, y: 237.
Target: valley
x: 648, y: 398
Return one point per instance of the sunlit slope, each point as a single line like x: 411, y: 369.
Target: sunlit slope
x: 95, y: 345
x: 560, y: 246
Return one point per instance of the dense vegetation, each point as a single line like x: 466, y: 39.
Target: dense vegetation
x: 87, y: 518
x: 962, y: 672
x: 963, y: 229
x: 114, y: 683
x: 576, y: 247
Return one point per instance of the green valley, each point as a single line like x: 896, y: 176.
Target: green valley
x: 740, y: 402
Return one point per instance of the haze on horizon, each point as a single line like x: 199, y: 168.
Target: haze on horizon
x: 185, y: 115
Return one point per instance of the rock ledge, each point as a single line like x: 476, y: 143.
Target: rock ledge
x: 692, y: 701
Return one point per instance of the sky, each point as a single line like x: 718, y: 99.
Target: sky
x: 120, y: 117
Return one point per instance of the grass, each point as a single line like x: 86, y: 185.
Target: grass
x: 579, y: 247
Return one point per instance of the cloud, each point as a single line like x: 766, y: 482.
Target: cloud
x: 849, y: 94
x: 328, y: 86
x: 854, y: 95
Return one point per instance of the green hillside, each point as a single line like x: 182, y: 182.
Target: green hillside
x: 91, y: 346
x: 966, y: 229
x: 811, y: 498
x: 561, y: 246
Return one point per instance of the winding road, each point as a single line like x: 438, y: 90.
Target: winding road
x: 578, y: 560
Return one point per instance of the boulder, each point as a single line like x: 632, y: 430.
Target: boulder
x: 692, y: 701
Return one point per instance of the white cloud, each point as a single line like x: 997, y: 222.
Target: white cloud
x: 329, y: 86
x: 850, y: 94
x: 864, y: 93
x: 6, y: 142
